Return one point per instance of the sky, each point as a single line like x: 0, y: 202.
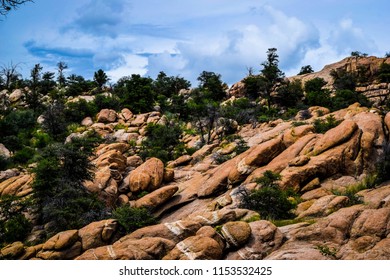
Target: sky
x: 184, y: 38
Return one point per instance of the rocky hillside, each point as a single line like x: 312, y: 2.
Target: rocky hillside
x: 197, y: 201
x: 329, y: 163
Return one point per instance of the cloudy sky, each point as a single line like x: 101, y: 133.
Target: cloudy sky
x: 184, y: 38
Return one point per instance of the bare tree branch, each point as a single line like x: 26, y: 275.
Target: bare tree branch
x: 8, y: 5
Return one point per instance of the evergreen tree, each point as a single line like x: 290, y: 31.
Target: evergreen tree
x: 270, y: 75
x: 100, y: 78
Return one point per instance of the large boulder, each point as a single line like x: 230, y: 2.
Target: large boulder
x: 265, y: 238
x: 107, y: 116
x: 196, y: 248
x: 18, y: 185
x: 62, y: 246
x: 156, y: 198
x: 4, y: 152
x: 16, y: 95
x: 98, y: 233
x: 148, y: 248
x: 236, y: 233
x: 148, y: 176
x: 335, y: 136
x: 12, y: 251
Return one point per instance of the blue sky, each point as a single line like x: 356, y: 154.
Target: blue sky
x: 184, y: 38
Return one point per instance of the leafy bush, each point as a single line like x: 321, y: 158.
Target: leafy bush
x: 327, y: 251
x: 13, y: 224
x: 322, y: 126
x: 384, y: 73
x: 14, y: 229
x: 40, y: 139
x: 106, y: 102
x: 55, y: 121
x: 269, y: 201
x: 290, y: 93
x: 344, y: 98
x: 16, y: 128
x: 241, y: 110
x: 314, y: 85
x: 252, y: 87
x: 344, y: 80
x: 368, y: 182
x: 24, y: 155
x: 4, y: 162
x: 77, y: 111
x: 133, y: 218
x: 306, y: 70
x: 161, y: 141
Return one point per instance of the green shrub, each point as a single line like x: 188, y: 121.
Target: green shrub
x: 241, y: 110
x: 269, y: 201
x: 40, y: 139
x: 106, y: 102
x: 384, y: 73
x: 15, y: 229
x: 298, y: 123
x: 77, y: 111
x: 327, y: 251
x: 321, y: 98
x: 344, y: 98
x: 322, y: 126
x: 4, y: 163
x: 368, y: 182
x: 161, y: 141
x: 24, y: 155
x: 13, y: 224
x: 133, y: 218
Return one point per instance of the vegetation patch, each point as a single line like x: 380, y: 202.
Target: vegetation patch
x: 322, y: 126
x: 133, y: 218
x: 270, y: 201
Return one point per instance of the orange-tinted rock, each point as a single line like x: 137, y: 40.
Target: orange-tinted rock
x: 335, y: 136
x: 148, y: 176
x: 106, y: 116
x: 236, y: 233
x: 97, y: 233
x: 61, y: 240
x: 126, y: 114
x: 196, y: 248
x: 265, y: 238
x: 148, y: 248
x: 157, y: 197
x: 13, y: 251
x: 265, y: 152
x: 169, y: 175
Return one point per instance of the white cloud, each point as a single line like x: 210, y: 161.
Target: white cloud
x: 347, y: 37
x: 236, y: 47
x: 131, y: 64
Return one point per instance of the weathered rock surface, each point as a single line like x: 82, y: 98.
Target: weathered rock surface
x: 107, y: 116
x: 148, y: 176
